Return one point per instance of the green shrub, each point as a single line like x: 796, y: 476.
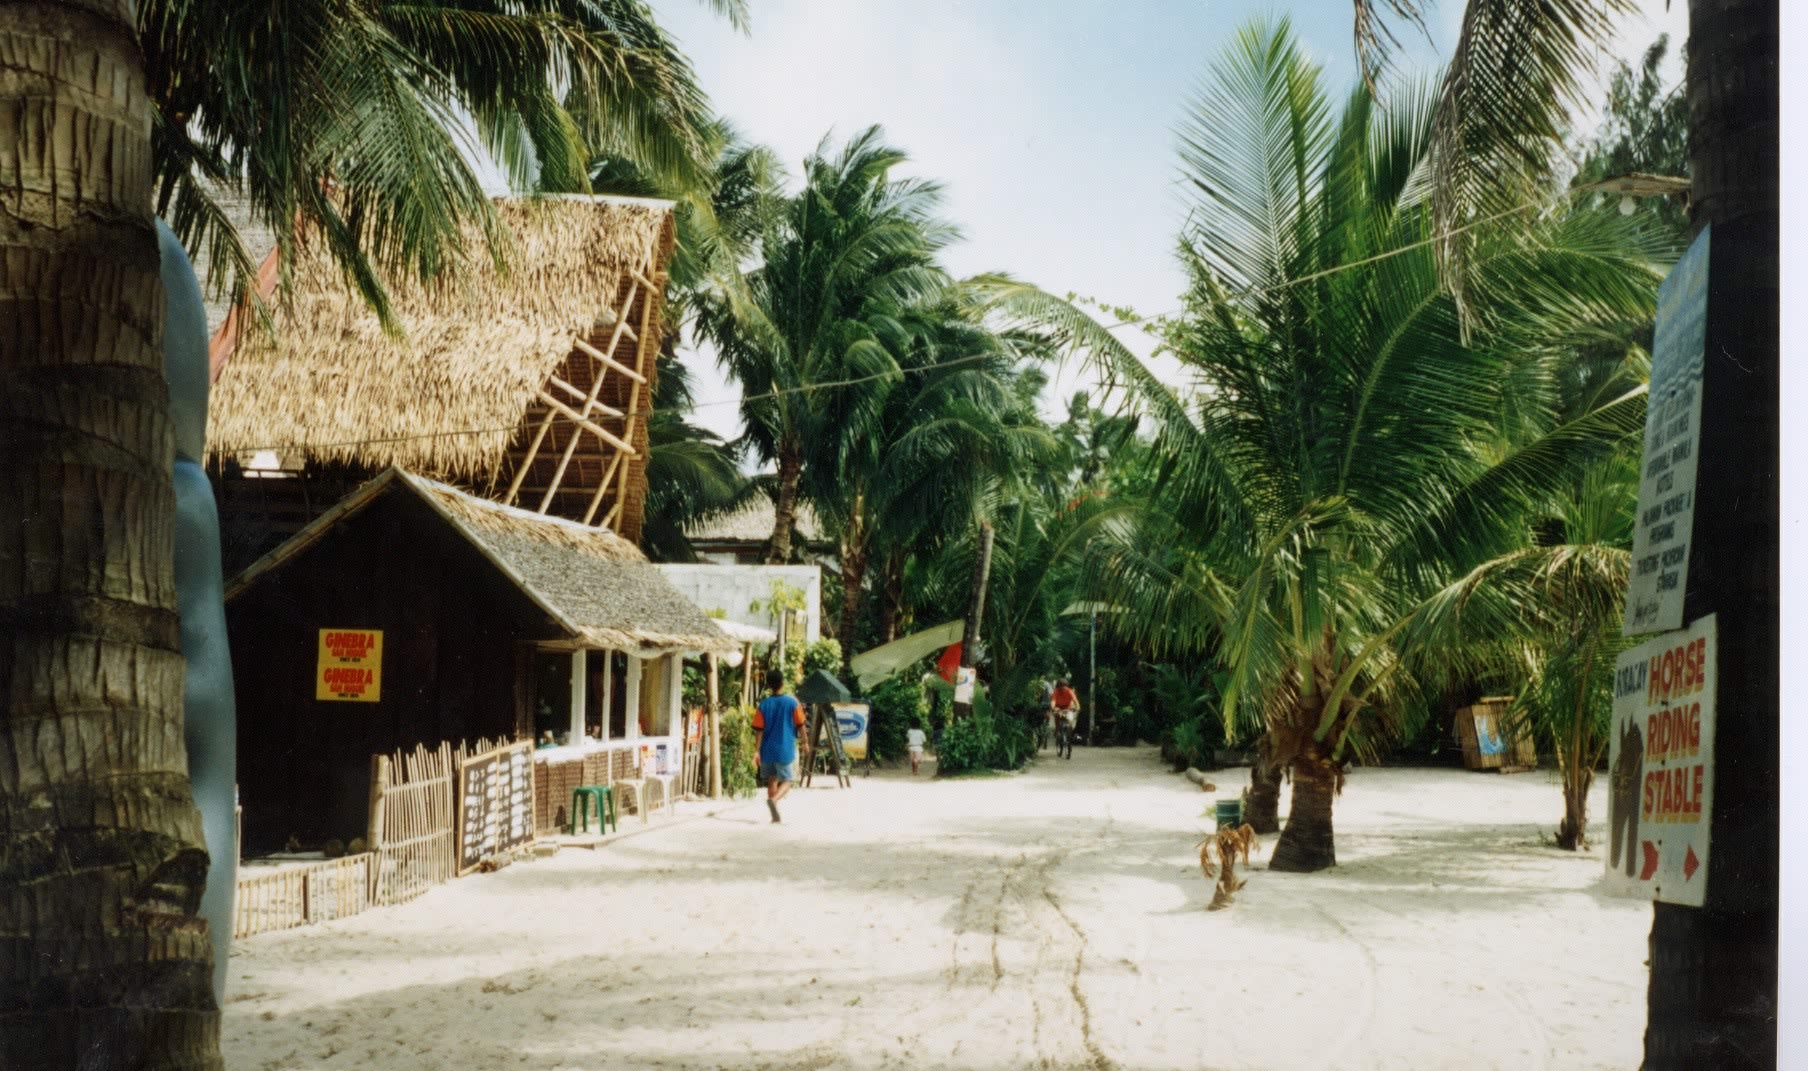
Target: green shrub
x: 696, y: 687
x: 1195, y: 743
x: 897, y: 704
x: 823, y: 654
x: 984, y: 741
x: 740, y: 753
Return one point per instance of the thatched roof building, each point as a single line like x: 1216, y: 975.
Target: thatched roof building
x: 595, y: 588
x: 529, y: 385
x: 472, y: 620
x: 743, y: 536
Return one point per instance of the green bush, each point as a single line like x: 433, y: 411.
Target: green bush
x: 740, y: 753
x: 792, y: 664
x: 897, y: 704
x: 984, y: 741
x: 823, y: 654
x: 696, y: 687
x: 1195, y: 743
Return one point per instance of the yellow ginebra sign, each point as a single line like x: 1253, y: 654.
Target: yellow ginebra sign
x: 351, y: 665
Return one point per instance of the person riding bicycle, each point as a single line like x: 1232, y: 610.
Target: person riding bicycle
x: 1066, y: 707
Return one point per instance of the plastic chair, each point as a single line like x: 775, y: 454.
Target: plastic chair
x: 582, y: 797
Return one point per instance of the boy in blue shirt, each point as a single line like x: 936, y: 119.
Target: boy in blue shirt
x: 777, y: 719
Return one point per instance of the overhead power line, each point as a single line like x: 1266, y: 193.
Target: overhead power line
x: 837, y: 384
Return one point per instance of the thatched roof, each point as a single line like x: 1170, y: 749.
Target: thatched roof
x: 752, y: 523
x: 447, y: 396
x: 597, y: 586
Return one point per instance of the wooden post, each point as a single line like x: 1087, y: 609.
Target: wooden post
x: 379, y: 788
x: 672, y: 698
x: 713, y: 756
x: 747, y: 674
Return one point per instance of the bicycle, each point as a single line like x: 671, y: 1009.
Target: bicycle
x: 1064, y: 737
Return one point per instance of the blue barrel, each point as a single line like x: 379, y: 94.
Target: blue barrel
x: 1230, y: 813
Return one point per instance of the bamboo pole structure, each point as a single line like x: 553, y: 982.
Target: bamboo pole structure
x: 714, y: 746
x: 379, y: 787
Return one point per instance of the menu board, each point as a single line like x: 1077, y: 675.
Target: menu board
x: 495, y: 804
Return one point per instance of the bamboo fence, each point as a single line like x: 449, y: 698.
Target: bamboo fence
x: 414, y: 845
x: 298, y: 895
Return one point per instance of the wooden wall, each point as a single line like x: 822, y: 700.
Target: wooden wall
x: 453, y: 632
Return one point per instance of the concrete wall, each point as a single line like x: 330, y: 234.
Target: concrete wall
x: 734, y: 588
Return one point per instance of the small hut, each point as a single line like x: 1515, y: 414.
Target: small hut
x: 526, y: 383
x: 414, y: 613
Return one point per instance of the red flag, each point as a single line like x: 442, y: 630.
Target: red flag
x: 949, y: 663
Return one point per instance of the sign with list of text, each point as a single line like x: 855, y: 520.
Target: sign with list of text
x: 1666, y: 496
x: 1660, y: 795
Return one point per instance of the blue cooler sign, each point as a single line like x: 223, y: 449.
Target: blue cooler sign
x: 851, y: 718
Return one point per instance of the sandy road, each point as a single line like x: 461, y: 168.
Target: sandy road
x: 1053, y: 919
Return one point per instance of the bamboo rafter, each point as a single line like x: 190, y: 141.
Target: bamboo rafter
x: 582, y: 410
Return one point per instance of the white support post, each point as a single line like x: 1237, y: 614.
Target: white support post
x: 633, y: 698
x: 608, y: 689
x: 580, y: 680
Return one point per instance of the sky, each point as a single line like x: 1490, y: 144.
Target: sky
x: 1051, y: 124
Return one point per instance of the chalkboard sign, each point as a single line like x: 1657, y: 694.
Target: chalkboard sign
x: 495, y: 804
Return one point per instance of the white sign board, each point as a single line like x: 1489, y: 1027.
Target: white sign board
x: 1666, y: 495
x: 1660, y: 794
x: 852, y: 719
x: 964, y: 680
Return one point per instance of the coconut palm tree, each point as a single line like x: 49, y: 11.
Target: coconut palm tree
x: 1346, y: 446
x: 950, y: 432
x: 104, y: 959
x: 849, y: 254
x: 349, y: 119
x: 1544, y: 620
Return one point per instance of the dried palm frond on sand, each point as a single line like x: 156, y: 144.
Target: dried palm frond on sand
x: 1228, y: 845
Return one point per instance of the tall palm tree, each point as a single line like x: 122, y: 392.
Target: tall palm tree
x: 343, y: 118
x: 850, y: 253
x: 948, y: 432
x: 1346, y: 448
x: 104, y: 959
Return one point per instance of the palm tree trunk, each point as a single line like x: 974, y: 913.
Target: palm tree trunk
x: 853, y: 577
x: 790, y: 466
x: 1713, y: 995
x: 104, y: 960
x: 1575, y: 761
x: 1264, y: 808
x: 1306, y: 844
x: 891, y: 604
x: 1572, y: 833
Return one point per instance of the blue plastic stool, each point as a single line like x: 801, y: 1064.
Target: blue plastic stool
x: 581, y: 799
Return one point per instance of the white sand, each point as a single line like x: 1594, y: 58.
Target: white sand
x: 1052, y: 919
